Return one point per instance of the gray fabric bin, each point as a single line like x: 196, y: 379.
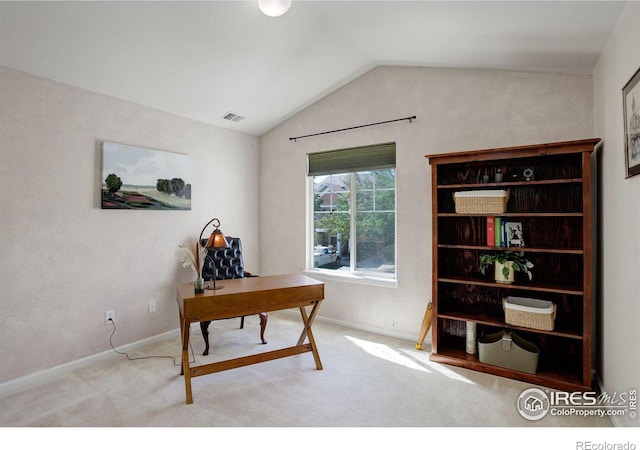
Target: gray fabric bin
x: 507, y: 349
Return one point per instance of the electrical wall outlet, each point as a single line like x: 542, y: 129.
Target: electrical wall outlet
x: 109, y: 316
x: 152, y: 307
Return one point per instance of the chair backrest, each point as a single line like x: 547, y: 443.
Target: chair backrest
x: 225, y: 263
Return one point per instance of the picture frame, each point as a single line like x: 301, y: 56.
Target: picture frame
x: 514, y: 234
x: 631, y: 114
x: 143, y: 178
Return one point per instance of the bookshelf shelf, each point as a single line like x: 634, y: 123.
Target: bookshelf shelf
x: 553, y: 209
x: 567, y: 381
x: 484, y: 319
x: 536, y: 214
x: 557, y: 289
x: 503, y: 185
x: 576, y: 251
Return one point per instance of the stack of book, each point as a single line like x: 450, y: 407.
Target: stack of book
x: 501, y: 233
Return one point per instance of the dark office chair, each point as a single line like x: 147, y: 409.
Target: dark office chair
x: 225, y: 264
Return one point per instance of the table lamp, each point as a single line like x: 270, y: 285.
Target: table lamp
x: 217, y: 240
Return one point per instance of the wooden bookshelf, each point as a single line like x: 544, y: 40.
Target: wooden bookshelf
x: 556, y: 211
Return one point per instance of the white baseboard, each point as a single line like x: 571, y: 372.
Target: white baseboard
x: 359, y: 327
x: 31, y: 379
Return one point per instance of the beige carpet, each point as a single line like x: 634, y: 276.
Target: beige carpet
x: 368, y: 381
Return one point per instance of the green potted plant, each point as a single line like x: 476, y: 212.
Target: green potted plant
x: 506, y: 264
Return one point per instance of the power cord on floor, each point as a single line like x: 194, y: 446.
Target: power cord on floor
x: 175, y: 363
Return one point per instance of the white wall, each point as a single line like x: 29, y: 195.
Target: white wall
x: 456, y: 110
x: 65, y: 261
x: 620, y: 214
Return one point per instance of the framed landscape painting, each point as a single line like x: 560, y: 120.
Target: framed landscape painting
x: 143, y: 178
x: 631, y: 105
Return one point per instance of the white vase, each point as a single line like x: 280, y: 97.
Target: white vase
x: 499, y: 275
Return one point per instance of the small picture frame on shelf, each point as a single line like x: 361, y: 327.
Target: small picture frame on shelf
x: 631, y: 114
x: 514, y: 234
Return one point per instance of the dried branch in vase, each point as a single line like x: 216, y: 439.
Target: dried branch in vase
x: 192, y: 256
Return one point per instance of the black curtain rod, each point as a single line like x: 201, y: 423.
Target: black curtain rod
x: 352, y: 128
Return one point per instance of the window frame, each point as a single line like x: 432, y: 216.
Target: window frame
x: 354, y: 275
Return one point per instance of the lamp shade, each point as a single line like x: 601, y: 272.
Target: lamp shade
x: 274, y: 8
x: 217, y: 240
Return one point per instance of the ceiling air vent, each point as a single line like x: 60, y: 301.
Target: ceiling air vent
x: 232, y: 117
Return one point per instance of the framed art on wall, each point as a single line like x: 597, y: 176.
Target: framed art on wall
x: 144, y: 178
x: 631, y: 107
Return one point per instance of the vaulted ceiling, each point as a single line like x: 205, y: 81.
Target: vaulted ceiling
x: 204, y: 59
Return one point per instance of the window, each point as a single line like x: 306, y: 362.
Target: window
x: 353, y: 226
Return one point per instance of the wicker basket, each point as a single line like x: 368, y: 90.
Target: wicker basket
x: 529, y: 312
x: 481, y: 202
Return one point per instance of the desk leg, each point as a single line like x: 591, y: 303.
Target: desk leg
x: 263, y: 324
x: 181, y: 341
x: 308, y: 321
x: 184, y: 328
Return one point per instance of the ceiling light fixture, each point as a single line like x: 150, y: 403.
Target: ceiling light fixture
x: 274, y: 8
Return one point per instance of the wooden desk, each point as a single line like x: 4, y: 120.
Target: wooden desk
x: 243, y: 297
